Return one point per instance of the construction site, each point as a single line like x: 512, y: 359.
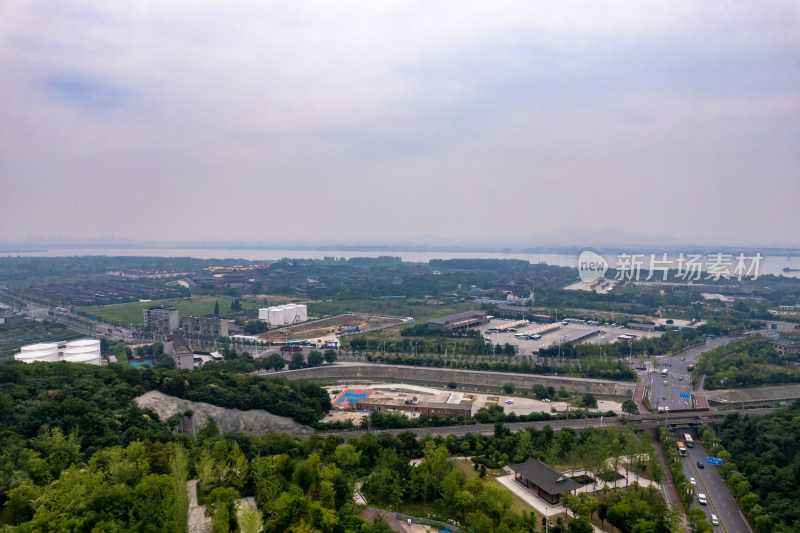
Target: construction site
x: 317, y: 331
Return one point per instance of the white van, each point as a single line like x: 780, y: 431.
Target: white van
x: 714, y: 520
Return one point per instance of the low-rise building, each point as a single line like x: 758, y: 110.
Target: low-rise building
x: 11, y: 319
x: 640, y: 327
x: 204, y: 326
x: 180, y: 351
x: 784, y: 346
x: 546, y: 482
x: 465, y: 320
x: 418, y: 407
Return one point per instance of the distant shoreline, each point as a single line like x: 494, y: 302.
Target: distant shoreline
x: 772, y: 263
x: 417, y: 248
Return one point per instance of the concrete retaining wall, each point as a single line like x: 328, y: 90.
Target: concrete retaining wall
x: 754, y: 395
x: 468, y: 378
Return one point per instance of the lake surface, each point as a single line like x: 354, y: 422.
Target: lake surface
x: 770, y: 264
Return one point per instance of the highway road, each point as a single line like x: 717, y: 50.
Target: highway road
x: 75, y: 322
x: 709, y: 482
x: 665, y: 391
x: 641, y: 421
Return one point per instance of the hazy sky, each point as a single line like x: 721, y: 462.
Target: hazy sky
x: 379, y: 121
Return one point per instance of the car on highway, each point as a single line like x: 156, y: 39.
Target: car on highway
x: 702, y: 499
x: 700, y: 464
x: 692, y: 481
x: 714, y: 520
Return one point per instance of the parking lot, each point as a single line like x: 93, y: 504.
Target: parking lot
x: 608, y: 334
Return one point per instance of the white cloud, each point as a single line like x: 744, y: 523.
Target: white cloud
x: 374, y: 110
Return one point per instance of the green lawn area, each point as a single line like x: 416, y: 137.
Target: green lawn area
x: 518, y: 504
x: 391, y: 306
x: 131, y: 313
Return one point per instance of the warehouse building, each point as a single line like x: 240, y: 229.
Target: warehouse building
x: 466, y: 320
x: 640, y: 327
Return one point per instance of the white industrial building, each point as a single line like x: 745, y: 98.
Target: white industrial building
x: 77, y: 351
x: 282, y: 315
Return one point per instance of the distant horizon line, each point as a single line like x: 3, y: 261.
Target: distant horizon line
x: 13, y: 247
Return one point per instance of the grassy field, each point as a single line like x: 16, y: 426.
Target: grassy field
x: 131, y: 313
x: 395, y: 307
x: 518, y: 504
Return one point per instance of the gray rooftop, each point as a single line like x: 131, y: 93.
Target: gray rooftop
x: 545, y: 477
x: 457, y: 317
x: 578, y: 335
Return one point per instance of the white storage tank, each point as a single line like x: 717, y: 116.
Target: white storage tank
x: 32, y: 356
x: 52, y: 346
x: 84, y: 343
x: 38, y: 352
x: 288, y: 313
x: 89, y: 358
x: 263, y: 314
x: 276, y: 317
x: 295, y: 313
x: 83, y: 351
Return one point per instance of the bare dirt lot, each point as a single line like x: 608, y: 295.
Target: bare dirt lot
x: 326, y: 327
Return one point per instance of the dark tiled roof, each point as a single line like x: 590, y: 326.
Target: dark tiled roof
x: 545, y: 477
